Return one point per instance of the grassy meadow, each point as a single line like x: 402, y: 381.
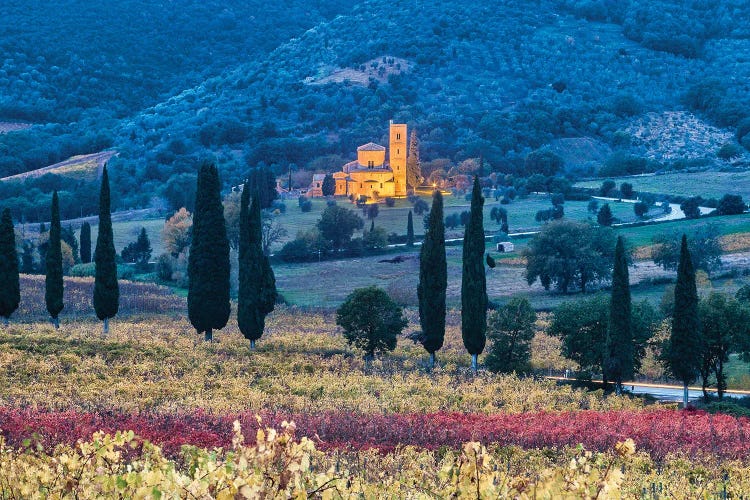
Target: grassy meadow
x: 711, y: 184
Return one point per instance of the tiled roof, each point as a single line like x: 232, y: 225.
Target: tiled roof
x: 371, y: 146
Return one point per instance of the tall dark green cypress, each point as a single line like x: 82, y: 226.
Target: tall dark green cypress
x: 683, y: 350
x: 85, y: 239
x: 10, y: 289
x: 53, y: 291
x: 433, y: 279
x: 410, y: 230
x: 257, y: 291
x: 106, y: 289
x: 619, y: 343
x: 208, y: 264
x: 473, y: 280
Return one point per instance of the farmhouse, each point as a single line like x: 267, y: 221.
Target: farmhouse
x: 370, y: 175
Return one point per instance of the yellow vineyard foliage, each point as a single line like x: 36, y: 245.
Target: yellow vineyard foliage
x: 302, y: 364
x: 280, y: 466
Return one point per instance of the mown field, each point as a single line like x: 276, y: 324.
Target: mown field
x: 389, y: 429
x: 706, y: 184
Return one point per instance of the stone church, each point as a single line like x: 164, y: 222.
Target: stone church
x: 370, y: 174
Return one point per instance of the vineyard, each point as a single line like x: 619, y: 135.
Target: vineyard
x: 389, y: 428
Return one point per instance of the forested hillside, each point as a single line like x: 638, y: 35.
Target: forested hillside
x: 304, y: 83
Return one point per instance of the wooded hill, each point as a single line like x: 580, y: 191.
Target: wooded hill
x: 293, y: 84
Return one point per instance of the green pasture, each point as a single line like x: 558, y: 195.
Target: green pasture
x: 125, y: 232
x: 726, y: 224
x: 705, y: 184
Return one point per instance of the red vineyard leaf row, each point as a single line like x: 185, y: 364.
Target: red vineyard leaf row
x: 657, y: 432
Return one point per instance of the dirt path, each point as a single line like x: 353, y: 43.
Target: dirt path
x: 100, y: 159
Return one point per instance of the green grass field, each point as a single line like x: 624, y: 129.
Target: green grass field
x: 727, y: 224
x: 127, y: 231
x: 705, y: 184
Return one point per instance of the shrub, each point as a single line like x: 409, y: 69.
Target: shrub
x: 729, y: 151
x: 83, y: 270
x: 165, y: 267
x: 420, y: 207
x: 371, y: 320
x: 691, y: 208
x: 640, y: 209
x: 390, y: 202
x: 620, y: 164
x: 306, y: 205
x: 606, y: 188
x: 730, y: 204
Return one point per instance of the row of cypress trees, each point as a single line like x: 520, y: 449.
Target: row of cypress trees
x: 106, y: 290
x: 208, y: 263
x: 682, y: 352
x: 433, y: 280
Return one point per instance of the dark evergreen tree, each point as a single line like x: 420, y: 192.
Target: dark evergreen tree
x: 473, y: 281
x: 27, y: 258
x: 257, y: 290
x: 682, y: 352
x: 208, y: 263
x: 605, y: 217
x: 139, y: 251
x: 371, y: 321
x: 511, y: 330
x: 262, y: 180
x: 413, y: 164
x: 433, y: 279
x: 85, y: 239
x: 10, y: 289
x: 329, y: 185
x: 53, y: 292
x: 106, y: 289
x: 619, y: 342
x: 410, y: 230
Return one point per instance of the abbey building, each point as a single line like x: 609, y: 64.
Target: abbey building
x: 370, y: 174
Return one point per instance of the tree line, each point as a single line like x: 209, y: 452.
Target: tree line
x: 208, y: 267
x: 605, y: 336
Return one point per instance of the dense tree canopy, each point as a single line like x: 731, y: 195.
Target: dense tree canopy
x: 511, y: 330
x: 371, y: 320
x: 570, y: 254
x: 337, y: 225
x: 704, y: 247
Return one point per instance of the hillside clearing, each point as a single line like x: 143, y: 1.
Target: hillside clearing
x: 82, y: 166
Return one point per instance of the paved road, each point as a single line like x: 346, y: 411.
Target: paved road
x: 670, y: 392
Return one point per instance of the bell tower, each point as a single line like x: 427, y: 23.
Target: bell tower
x: 397, y: 156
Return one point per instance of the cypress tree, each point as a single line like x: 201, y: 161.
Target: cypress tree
x: 619, y: 341
x: 410, y: 231
x: 473, y: 280
x: 10, y: 289
x: 53, y: 292
x: 208, y: 264
x: 106, y: 289
x: 257, y: 290
x: 85, y: 239
x: 683, y: 350
x: 433, y: 279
